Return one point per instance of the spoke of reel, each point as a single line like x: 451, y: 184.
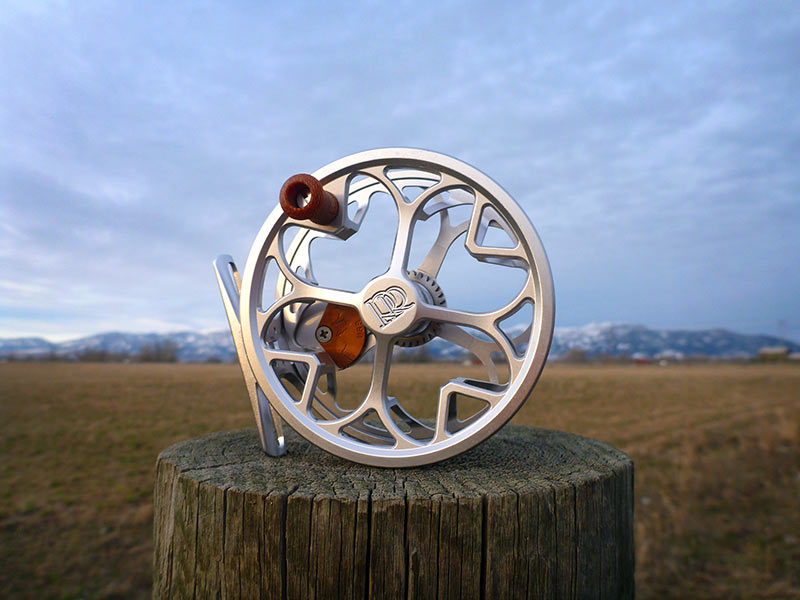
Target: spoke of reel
x: 376, y: 400
x: 376, y: 396
x: 402, y: 239
x: 305, y: 289
x: 447, y: 422
x: 266, y: 318
x: 409, y: 212
x: 418, y: 429
x: 302, y: 290
x: 480, y: 348
x: 459, y: 196
x: 486, y: 322
x: 448, y: 234
x: 327, y: 408
x: 317, y: 365
x: 510, y: 257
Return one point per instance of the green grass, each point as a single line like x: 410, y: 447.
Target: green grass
x: 716, y: 448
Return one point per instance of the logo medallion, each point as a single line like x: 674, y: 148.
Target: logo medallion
x: 389, y: 304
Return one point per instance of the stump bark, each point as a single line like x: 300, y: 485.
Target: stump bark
x: 529, y: 513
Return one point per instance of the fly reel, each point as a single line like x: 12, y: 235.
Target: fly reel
x: 293, y: 338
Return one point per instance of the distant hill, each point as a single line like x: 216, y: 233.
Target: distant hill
x: 192, y: 346
x: 637, y: 340
x: 594, y: 339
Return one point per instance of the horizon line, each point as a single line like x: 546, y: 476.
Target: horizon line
x: 60, y: 340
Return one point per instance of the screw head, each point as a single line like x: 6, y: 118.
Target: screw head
x: 324, y: 334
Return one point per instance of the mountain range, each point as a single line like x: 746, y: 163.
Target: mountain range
x: 595, y: 339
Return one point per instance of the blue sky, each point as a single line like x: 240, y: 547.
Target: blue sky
x: 655, y: 146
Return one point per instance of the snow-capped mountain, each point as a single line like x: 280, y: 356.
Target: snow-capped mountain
x: 29, y: 346
x: 190, y: 346
x: 636, y: 340
x: 595, y: 339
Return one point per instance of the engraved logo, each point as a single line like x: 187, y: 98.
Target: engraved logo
x: 389, y: 304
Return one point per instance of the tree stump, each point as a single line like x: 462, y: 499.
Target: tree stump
x: 529, y: 513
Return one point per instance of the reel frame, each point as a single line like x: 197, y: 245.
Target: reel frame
x: 274, y: 337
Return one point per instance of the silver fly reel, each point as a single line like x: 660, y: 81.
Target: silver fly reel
x: 293, y: 336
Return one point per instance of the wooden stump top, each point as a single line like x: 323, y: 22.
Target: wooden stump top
x: 517, y: 459
x: 542, y: 513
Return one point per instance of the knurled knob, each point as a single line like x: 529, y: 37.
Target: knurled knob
x: 302, y: 197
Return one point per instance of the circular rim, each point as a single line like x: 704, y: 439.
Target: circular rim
x: 517, y: 389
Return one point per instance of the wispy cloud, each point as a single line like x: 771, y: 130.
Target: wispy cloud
x: 655, y: 146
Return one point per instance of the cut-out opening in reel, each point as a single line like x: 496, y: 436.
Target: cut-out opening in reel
x: 461, y: 346
x: 344, y: 264
x: 450, y: 230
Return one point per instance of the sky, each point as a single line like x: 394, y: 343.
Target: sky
x: 655, y: 146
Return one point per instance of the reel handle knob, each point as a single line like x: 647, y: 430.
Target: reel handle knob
x: 302, y: 197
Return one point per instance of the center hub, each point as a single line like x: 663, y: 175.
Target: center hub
x: 389, y: 305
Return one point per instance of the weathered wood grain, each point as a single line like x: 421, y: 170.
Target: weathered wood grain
x: 527, y: 514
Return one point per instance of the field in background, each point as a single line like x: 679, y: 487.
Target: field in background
x: 716, y: 449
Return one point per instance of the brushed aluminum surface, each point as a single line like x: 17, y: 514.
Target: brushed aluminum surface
x: 278, y: 328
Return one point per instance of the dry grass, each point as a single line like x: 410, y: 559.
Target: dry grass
x: 717, y: 453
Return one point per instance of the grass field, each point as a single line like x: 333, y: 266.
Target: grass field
x: 716, y: 449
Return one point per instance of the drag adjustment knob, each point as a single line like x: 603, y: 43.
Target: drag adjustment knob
x: 302, y: 197
x: 342, y: 334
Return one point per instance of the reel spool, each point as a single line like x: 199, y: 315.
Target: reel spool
x: 293, y: 340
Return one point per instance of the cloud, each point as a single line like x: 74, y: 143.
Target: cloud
x: 654, y: 146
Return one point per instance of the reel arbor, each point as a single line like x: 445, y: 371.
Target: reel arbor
x: 293, y: 338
